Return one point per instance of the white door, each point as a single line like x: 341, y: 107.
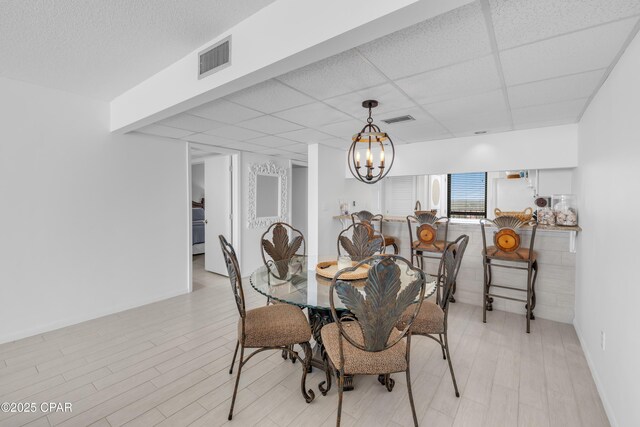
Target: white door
x: 218, y: 210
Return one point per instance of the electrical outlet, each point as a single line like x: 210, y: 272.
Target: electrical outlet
x: 602, y: 340
x: 354, y: 203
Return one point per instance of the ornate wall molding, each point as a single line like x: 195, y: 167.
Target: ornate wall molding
x: 270, y: 169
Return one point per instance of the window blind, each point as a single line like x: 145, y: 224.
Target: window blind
x: 467, y: 195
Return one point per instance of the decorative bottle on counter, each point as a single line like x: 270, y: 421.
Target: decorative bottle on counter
x: 565, y: 207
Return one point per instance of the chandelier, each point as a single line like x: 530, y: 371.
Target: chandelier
x: 374, y: 140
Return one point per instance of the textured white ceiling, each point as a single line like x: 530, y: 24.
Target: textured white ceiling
x: 493, y: 65
x: 101, y: 48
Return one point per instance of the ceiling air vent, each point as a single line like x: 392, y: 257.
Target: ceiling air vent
x: 398, y: 119
x: 214, y: 58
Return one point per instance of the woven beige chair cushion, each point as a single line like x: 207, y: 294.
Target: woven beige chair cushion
x: 430, y: 319
x: 521, y: 254
x: 437, y: 246
x: 360, y: 362
x: 275, y: 325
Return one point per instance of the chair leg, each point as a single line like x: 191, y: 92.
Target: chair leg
x: 340, y: 393
x: 235, y: 389
x: 484, y: 293
x: 396, y: 250
x: 413, y: 407
x: 529, y: 300
x: 235, y: 353
x: 453, y: 376
x: 444, y: 356
x: 327, y: 373
x: 308, y: 354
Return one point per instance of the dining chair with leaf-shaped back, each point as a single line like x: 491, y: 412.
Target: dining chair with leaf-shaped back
x: 272, y: 327
x: 365, y: 341
x: 285, y: 243
x: 432, y: 318
x: 364, y: 242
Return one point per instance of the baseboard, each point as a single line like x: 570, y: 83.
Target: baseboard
x: 79, y: 319
x: 605, y: 402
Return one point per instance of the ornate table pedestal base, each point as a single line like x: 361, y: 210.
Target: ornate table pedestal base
x: 317, y: 319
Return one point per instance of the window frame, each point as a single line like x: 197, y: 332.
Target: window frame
x: 466, y: 215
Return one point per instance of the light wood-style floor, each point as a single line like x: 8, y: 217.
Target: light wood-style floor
x: 167, y: 364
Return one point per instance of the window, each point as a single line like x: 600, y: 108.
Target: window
x: 467, y: 195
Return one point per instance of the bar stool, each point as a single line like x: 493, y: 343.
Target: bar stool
x: 507, y: 247
x: 430, y: 240
x: 367, y: 217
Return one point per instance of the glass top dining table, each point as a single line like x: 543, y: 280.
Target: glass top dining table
x: 302, y: 286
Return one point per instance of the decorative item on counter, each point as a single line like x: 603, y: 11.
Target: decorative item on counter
x: 344, y: 208
x: 542, y: 202
x: 523, y: 216
x: 565, y: 207
x: 546, y: 216
x: 512, y: 174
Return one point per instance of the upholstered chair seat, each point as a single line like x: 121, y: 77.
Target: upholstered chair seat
x: 430, y: 319
x: 361, y: 362
x: 521, y: 254
x: 275, y: 325
x: 437, y: 246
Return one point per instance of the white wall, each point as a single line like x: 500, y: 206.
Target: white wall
x: 299, y: 199
x: 607, y: 291
x: 542, y: 148
x: 249, y: 243
x: 91, y: 223
x: 327, y: 187
x: 197, y: 181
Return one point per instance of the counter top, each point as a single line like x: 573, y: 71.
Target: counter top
x: 403, y: 219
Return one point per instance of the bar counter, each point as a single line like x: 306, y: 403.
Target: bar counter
x: 555, y: 248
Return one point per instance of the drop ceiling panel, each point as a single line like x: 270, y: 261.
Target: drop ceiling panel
x: 387, y: 95
x: 307, y: 136
x: 235, y: 132
x: 585, y: 50
x: 313, y: 115
x: 269, y: 124
x: 296, y: 148
x: 344, y: 129
x: 244, y: 146
x: 416, y: 131
x: 191, y: 123
x: 269, y: 97
x: 203, y: 138
x: 455, y: 109
x: 272, y: 141
x: 166, y: 131
x: 494, y: 121
x: 561, y: 112
x: 476, y: 75
x: 523, y: 21
x: 339, y: 74
x: 456, y: 36
x: 555, y: 90
x: 224, y: 111
x: 342, y: 144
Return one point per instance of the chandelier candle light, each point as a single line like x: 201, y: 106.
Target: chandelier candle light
x: 373, y: 137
